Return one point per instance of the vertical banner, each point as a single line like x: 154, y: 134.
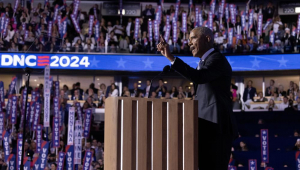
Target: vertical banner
x: 87, y: 160
x: 32, y: 113
x: 2, y: 99
x: 168, y: 19
x: 36, y: 163
x: 230, y: 36
x: 191, y: 5
x: 33, y: 96
x: 75, y: 23
x: 196, y: 23
x: 91, y: 23
x: 250, y: 21
x: 226, y: 12
x: 176, y: 11
x: 298, y: 160
x: 210, y: 20
x: 5, y: 26
x: 26, y: 162
x: 269, y: 21
x: 71, y: 122
x: 156, y: 30
x: 64, y: 27
x: 56, y: 106
x: 55, y: 13
x: 60, y: 161
x: 59, y: 25
x: 78, y: 142
x: 26, y: 34
x: 264, y: 140
x: 55, y: 133
x: 232, y: 13
x: 1, y: 125
x: 200, y: 18
x: 13, y: 109
x: 39, y: 138
x: 136, y: 28
x: 49, y: 28
x: 87, y: 123
x: 19, y: 151
x: 79, y: 112
x: 175, y: 32
x: 69, y: 157
x: 243, y: 20
x: 232, y: 168
x: 222, y: 8
x: 36, y: 118
x: 259, y: 24
x: 5, y: 136
x: 167, y: 33
x: 158, y: 14
x: 212, y: 6
x: 271, y: 37
x: 75, y: 7
x: 150, y: 30
x: 294, y: 31
x: 97, y: 31
x: 47, y: 93
x: 16, y: 5
x: 298, y: 24
x: 43, y: 155
x: 11, y: 162
x: 252, y: 164
x: 56, y: 89
x: 184, y: 22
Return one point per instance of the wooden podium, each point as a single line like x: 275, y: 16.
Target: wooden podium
x: 150, y: 134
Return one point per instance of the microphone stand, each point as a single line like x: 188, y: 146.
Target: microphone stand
x: 27, y: 74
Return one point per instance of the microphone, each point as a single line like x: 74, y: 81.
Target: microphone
x: 166, y: 69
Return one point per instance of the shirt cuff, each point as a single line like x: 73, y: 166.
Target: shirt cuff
x: 172, y: 62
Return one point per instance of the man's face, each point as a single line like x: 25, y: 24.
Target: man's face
x: 160, y: 82
x: 148, y: 83
x: 135, y: 85
x: 195, y: 43
x: 249, y: 83
x: 95, y: 143
x: 271, y: 83
x: 88, y: 145
x: 186, y: 89
x: 285, y: 100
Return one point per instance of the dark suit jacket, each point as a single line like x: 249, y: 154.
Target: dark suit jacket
x: 213, y: 82
x: 137, y: 92
x: 252, y: 93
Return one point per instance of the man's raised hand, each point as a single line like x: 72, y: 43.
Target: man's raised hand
x: 163, y: 47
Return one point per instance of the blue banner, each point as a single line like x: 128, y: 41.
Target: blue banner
x: 19, y: 153
x: 174, y: 32
x: 297, y: 155
x: 87, y: 123
x: 39, y: 138
x: 184, y: 22
x: 264, y: 140
x: 11, y: 161
x: 259, y: 24
x: 136, y: 28
x: 69, y: 157
x: 1, y: 125
x: 5, y: 136
x: 150, y: 26
x: 32, y: 113
x: 56, y: 90
x: 196, y: 24
x: 60, y: 162
x: 156, y: 30
x: 167, y: 33
x: 252, y: 164
x: 231, y: 168
x: 2, y: 99
x: 26, y: 161
x: 298, y: 24
x: 144, y: 62
x: 87, y: 160
x: 91, y: 24
x: 36, y: 116
x: 14, y: 110
x: 43, y: 155
x: 55, y: 133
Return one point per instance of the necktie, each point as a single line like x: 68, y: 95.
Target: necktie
x: 199, y: 64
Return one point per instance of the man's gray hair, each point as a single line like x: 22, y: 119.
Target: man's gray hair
x: 204, y: 31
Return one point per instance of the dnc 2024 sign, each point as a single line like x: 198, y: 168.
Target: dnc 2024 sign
x: 116, y: 62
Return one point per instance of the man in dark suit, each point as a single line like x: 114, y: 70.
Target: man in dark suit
x: 135, y: 91
x: 249, y: 92
x: 271, y: 89
x: 212, y: 78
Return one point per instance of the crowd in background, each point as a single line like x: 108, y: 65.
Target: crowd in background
x: 27, y: 30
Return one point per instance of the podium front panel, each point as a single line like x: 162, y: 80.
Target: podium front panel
x: 150, y: 134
